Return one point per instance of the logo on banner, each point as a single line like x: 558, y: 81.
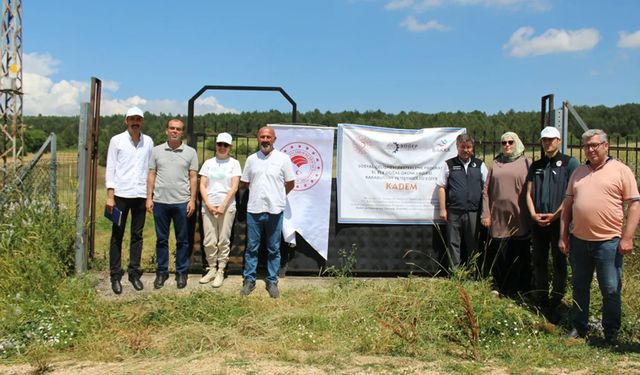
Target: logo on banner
x: 361, y: 144
x: 395, y: 147
x: 307, y: 164
x: 442, y: 145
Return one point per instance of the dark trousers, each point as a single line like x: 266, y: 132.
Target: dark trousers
x: 545, y: 240
x: 510, y: 265
x: 138, y: 214
x: 462, y: 239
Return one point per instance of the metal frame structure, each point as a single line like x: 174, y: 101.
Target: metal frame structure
x: 192, y: 101
x: 11, y: 125
x: 560, y: 118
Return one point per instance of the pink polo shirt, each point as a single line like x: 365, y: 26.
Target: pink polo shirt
x: 598, y: 196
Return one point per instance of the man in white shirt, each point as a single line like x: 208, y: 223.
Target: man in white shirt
x: 126, y: 182
x: 269, y: 176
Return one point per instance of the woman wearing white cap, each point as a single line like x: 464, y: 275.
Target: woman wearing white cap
x: 219, y: 179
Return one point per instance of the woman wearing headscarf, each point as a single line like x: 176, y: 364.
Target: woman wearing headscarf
x: 505, y: 212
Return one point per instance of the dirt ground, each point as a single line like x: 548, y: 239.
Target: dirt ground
x: 232, y: 284
x: 206, y: 363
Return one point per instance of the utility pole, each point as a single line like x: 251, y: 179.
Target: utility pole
x: 11, y: 126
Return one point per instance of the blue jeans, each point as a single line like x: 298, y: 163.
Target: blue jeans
x: 603, y: 256
x: 271, y: 226
x: 163, y: 214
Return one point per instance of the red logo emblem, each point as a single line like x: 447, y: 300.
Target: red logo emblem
x: 307, y: 164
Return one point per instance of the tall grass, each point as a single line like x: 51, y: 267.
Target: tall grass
x: 36, y: 255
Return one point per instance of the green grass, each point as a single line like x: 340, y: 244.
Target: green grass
x: 417, y: 318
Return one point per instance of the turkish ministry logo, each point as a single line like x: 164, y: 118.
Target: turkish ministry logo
x: 307, y: 164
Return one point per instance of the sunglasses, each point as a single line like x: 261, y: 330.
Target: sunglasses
x: 504, y: 143
x: 222, y: 144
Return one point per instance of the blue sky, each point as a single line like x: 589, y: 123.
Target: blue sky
x: 333, y: 55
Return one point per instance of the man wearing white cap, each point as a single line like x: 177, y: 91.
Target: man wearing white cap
x: 546, y: 184
x: 126, y: 182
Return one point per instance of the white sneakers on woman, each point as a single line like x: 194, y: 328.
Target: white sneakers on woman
x: 217, y: 281
x: 216, y: 276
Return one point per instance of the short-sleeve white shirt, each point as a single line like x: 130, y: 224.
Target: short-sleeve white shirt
x: 266, y: 175
x: 128, y: 165
x: 219, y: 173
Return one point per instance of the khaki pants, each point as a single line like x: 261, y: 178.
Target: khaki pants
x: 217, y: 233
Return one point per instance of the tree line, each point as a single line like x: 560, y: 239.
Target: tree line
x: 622, y: 120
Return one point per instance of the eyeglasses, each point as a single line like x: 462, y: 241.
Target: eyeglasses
x: 222, y: 144
x: 593, y: 146
x: 504, y: 143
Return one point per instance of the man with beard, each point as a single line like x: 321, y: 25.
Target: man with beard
x: 269, y: 176
x: 171, y: 196
x: 126, y: 182
x: 594, y: 235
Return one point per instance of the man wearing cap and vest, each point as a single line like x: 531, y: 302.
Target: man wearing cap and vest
x: 171, y: 196
x: 460, y: 185
x: 546, y: 186
x: 126, y: 182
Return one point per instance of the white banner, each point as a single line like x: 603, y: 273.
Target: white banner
x: 308, y: 205
x: 388, y: 176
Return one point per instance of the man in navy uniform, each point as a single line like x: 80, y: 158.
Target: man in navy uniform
x: 546, y: 185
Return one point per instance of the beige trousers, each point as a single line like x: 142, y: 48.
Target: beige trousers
x: 217, y: 233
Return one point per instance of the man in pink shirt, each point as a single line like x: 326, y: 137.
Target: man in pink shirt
x: 593, y: 232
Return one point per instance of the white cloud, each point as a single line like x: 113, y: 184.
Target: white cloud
x: 398, y: 4
x: 44, y: 96
x: 39, y: 63
x: 415, y: 26
x: 629, y: 40
x: 522, y: 42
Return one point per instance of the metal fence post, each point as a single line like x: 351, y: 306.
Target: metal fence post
x: 81, y: 220
x: 53, y: 190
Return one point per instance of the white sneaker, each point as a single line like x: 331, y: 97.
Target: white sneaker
x: 217, y: 282
x: 208, y: 277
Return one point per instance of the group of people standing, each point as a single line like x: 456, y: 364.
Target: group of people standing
x: 162, y: 180
x: 552, y: 205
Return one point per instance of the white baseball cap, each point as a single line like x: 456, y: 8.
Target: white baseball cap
x: 550, y: 132
x: 224, y: 138
x: 134, y: 111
